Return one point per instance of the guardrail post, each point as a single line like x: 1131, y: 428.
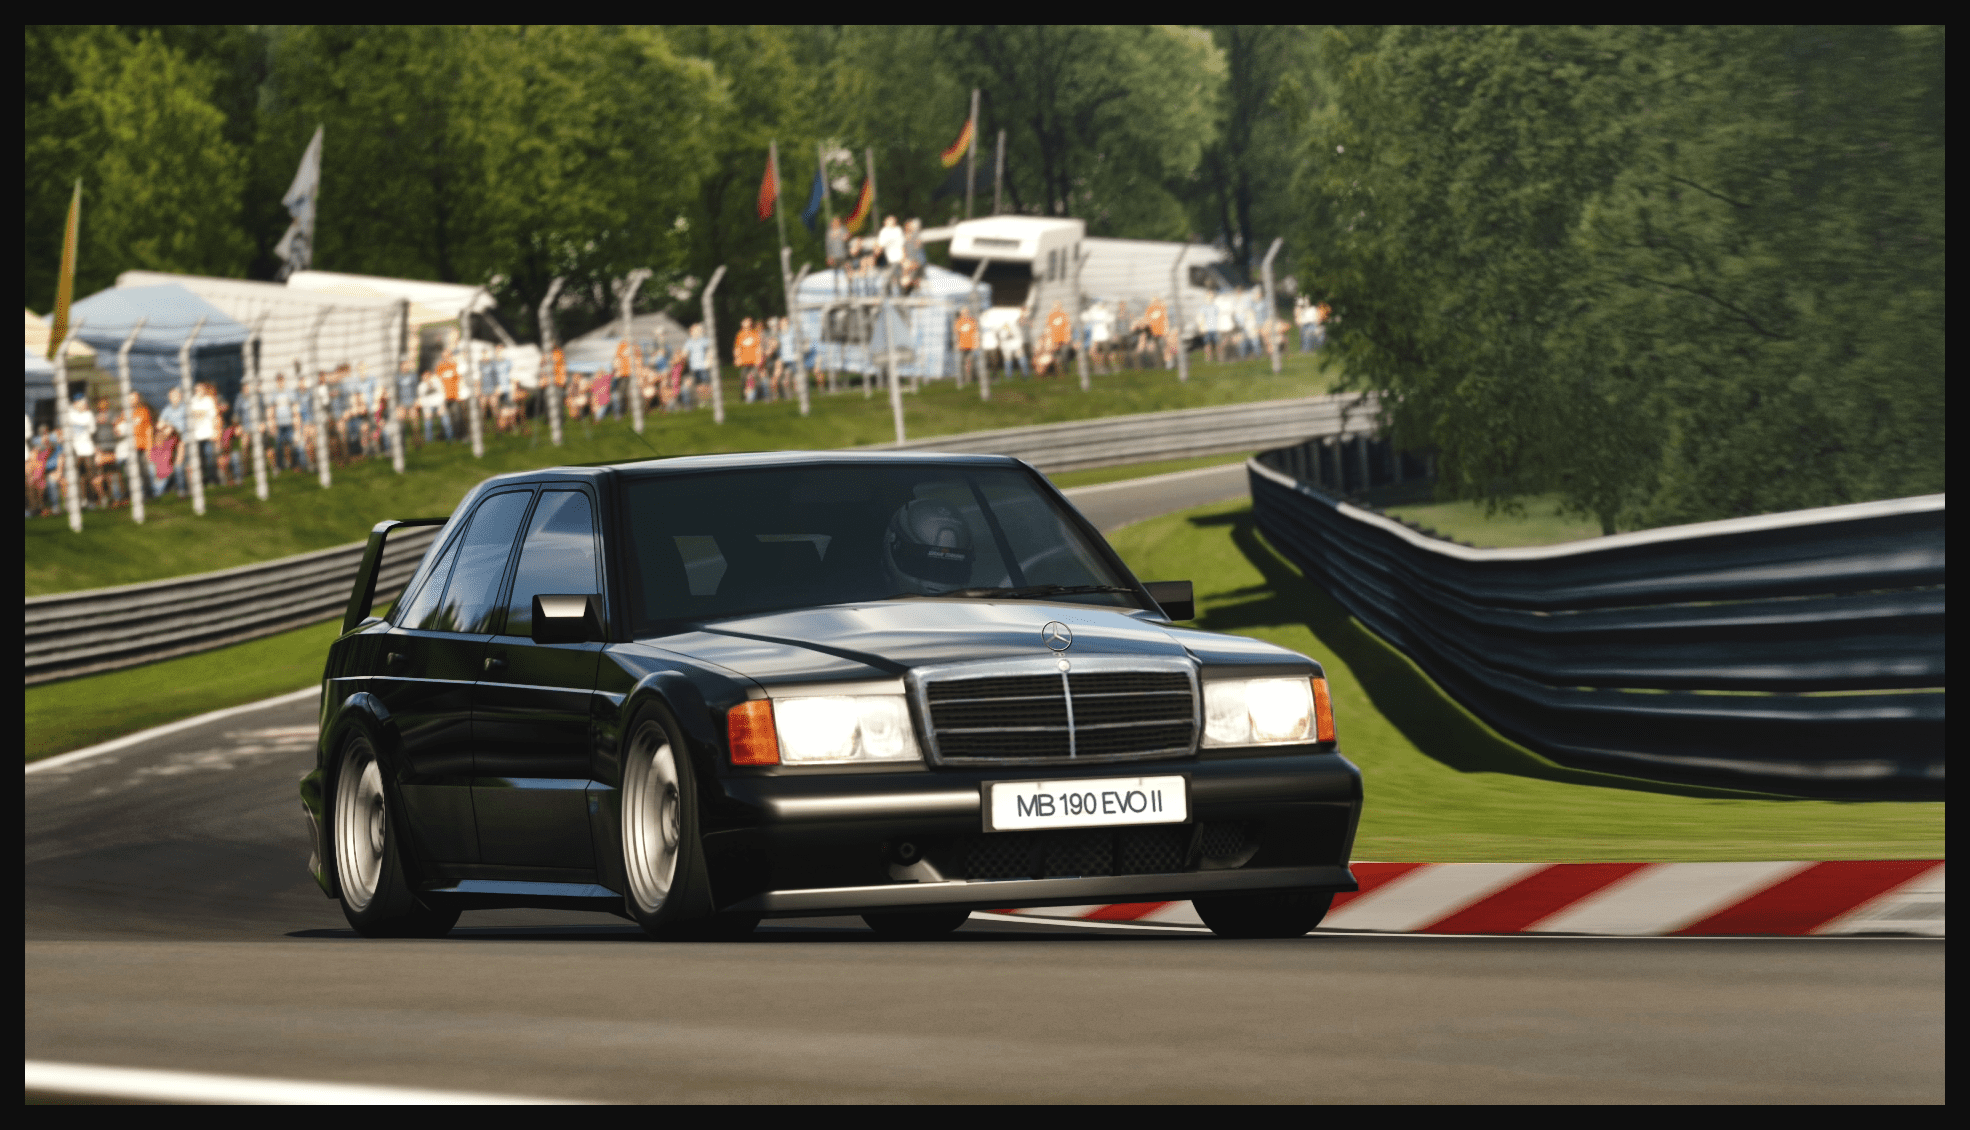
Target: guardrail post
x: 71, y: 488
x: 1361, y: 462
x: 711, y: 331
x: 194, y: 464
x: 135, y: 474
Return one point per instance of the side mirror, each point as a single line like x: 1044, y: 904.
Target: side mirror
x: 567, y: 619
x: 1175, y: 597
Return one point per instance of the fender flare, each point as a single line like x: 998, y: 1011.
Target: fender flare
x: 364, y: 711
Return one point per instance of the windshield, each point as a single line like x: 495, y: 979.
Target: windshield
x: 736, y: 542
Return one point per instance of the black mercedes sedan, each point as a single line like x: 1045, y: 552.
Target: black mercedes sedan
x: 698, y: 692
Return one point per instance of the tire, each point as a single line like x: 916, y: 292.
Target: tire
x: 917, y: 925
x: 1263, y: 916
x: 375, y: 897
x: 667, y: 888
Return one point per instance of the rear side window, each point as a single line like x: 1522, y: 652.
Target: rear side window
x: 471, y: 596
x: 419, y: 608
x: 558, y: 558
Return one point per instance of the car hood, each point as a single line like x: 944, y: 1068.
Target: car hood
x: 885, y: 639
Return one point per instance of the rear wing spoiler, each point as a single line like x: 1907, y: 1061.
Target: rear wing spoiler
x: 364, y: 593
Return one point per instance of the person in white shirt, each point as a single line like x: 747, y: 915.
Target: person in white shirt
x: 1101, y: 330
x: 431, y: 404
x: 890, y: 239
x: 204, y: 422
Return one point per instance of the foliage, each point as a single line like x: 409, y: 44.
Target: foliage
x: 1242, y: 189
x: 134, y: 119
x: 1667, y: 274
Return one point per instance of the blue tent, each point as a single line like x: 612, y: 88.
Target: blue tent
x: 922, y: 333
x: 106, y: 319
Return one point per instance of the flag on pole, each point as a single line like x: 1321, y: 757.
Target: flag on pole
x: 296, y: 248
x: 65, y: 281
x: 812, y: 213
x: 863, y: 202
x: 769, y: 192
x: 959, y: 147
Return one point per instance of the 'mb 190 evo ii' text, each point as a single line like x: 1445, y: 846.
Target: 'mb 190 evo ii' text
x: 699, y: 692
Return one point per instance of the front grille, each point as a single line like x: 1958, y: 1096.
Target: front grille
x: 1081, y: 852
x: 1095, y: 714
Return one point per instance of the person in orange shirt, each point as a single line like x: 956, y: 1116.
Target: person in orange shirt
x: 446, y: 371
x: 1059, y: 331
x: 966, y: 330
x: 140, y: 439
x: 1159, y: 329
x: 745, y: 351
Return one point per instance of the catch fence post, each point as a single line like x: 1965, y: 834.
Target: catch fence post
x: 630, y: 285
x: 194, y: 463
x: 323, y: 472
x: 550, y: 390
x: 1272, y: 336
x: 249, y: 356
x: 978, y: 316
x: 473, y: 408
x: 711, y: 331
x: 794, y: 329
x: 136, y: 476
x: 399, y: 326
x: 1175, y: 319
x: 1076, y: 325
x: 71, y: 487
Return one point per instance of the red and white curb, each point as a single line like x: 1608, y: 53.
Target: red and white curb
x: 1620, y: 899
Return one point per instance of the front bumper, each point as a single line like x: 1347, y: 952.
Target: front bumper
x: 799, y: 844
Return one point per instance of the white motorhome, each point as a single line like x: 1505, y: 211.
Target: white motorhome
x: 1029, y: 263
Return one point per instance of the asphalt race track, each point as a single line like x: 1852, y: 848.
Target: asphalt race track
x: 170, y: 923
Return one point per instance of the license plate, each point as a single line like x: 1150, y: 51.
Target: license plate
x: 1017, y: 806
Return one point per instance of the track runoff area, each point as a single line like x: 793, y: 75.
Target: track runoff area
x: 176, y: 951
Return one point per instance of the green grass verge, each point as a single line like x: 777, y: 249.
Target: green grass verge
x: 95, y: 708
x: 238, y: 529
x: 1069, y: 479
x: 1441, y: 785
x: 1540, y: 523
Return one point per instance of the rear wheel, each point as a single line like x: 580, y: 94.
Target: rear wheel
x: 1263, y: 916
x: 663, y: 865
x: 376, y: 899
x: 917, y: 924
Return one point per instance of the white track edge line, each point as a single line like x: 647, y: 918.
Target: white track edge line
x: 1168, y: 477
x: 168, y: 728
x: 202, y: 1087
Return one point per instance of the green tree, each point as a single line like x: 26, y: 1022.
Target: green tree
x: 1101, y: 121
x: 133, y: 118
x: 1242, y: 189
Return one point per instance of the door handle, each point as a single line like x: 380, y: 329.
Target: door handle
x: 394, y: 659
x: 495, y: 663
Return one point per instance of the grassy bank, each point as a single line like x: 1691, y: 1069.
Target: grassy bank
x: 1442, y: 786
x: 238, y: 529
x: 95, y: 708
x: 1538, y: 523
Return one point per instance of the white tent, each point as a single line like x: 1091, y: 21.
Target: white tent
x: 362, y: 331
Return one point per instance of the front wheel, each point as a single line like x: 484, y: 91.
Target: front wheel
x: 1263, y: 916
x: 669, y: 894
x: 376, y: 899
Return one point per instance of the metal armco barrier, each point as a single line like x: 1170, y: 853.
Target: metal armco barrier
x: 104, y: 629
x: 1701, y: 653
x: 1180, y: 434
x: 79, y: 633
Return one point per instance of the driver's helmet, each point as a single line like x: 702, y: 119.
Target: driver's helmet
x: 927, y: 548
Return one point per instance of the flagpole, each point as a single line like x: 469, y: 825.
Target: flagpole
x: 971, y: 155
x: 827, y: 204
x: 786, y: 280
x: 999, y: 176
x: 875, y: 210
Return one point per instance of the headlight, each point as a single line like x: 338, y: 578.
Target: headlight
x: 844, y: 728
x: 1258, y: 711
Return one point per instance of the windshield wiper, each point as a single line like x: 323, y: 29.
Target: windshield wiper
x: 1040, y: 590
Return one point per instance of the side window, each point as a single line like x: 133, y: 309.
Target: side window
x: 471, y: 598
x: 558, y: 557
x: 419, y: 608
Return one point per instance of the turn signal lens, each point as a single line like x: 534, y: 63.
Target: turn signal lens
x: 749, y: 729
x: 1323, y: 712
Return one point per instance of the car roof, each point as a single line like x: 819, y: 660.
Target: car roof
x: 743, y: 460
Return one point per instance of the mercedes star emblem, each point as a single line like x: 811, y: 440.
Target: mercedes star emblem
x: 1056, y: 636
